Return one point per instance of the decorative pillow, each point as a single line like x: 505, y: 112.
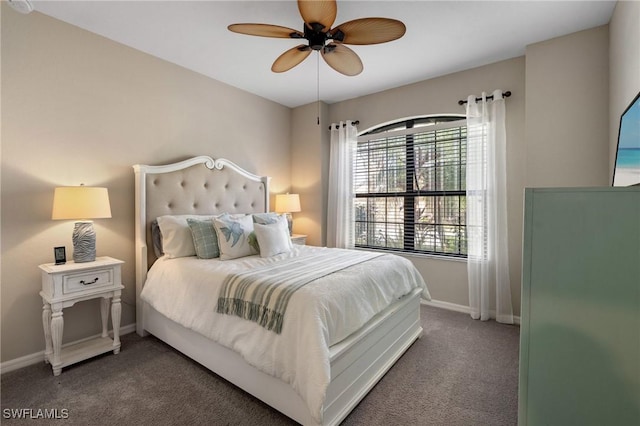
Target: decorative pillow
x: 177, y: 240
x: 253, y: 241
x: 265, y: 218
x: 273, y: 238
x: 233, y: 236
x: 205, y: 239
x: 156, y: 238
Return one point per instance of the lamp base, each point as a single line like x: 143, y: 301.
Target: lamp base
x: 84, y: 242
x: 289, y: 217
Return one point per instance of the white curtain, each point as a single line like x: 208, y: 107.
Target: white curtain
x: 488, y: 254
x: 344, y: 138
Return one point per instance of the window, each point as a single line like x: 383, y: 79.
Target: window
x: 409, y: 184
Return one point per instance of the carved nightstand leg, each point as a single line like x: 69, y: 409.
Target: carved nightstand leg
x: 115, y: 320
x: 57, y: 327
x: 104, y: 311
x: 46, y: 324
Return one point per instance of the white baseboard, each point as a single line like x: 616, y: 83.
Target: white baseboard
x: 37, y: 357
x: 459, y: 308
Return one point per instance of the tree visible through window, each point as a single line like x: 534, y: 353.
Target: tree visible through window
x: 409, y: 183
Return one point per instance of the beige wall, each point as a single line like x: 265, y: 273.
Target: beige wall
x: 76, y: 108
x: 624, y: 67
x: 308, y: 163
x: 567, y: 110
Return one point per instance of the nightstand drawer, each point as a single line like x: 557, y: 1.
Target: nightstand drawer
x: 88, y: 280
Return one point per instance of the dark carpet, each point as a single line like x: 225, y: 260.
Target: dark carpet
x: 461, y: 372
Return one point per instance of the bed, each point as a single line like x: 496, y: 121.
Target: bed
x: 349, y: 366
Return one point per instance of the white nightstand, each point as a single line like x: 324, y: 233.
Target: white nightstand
x: 299, y: 239
x: 65, y: 285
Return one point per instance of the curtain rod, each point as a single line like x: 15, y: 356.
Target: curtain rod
x: 355, y: 123
x: 505, y: 94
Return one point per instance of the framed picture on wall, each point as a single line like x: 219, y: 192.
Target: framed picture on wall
x: 627, y: 166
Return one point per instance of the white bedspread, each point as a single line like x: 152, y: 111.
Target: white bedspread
x: 319, y: 315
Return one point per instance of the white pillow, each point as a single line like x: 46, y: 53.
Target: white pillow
x: 273, y: 238
x: 177, y: 240
x: 233, y: 236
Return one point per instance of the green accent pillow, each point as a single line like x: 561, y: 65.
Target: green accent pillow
x: 253, y: 242
x: 205, y: 239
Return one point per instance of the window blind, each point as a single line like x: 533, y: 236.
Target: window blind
x: 409, y: 183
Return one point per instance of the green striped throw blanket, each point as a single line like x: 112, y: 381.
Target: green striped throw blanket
x: 262, y: 294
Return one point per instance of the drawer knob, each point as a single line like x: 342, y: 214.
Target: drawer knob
x: 83, y: 282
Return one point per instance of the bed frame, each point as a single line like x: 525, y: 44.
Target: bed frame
x: 202, y: 185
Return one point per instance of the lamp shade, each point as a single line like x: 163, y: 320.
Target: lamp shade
x: 80, y: 202
x: 287, y: 203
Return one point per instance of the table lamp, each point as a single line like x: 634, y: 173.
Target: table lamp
x: 81, y: 203
x: 288, y: 203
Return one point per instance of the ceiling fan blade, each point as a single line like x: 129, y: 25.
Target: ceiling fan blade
x: 342, y: 59
x: 291, y: 58
x: 369, y: 31
x: 265, y: 30
x: 320, y: 11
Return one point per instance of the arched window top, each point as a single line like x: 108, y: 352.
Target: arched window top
x: 413, y: 122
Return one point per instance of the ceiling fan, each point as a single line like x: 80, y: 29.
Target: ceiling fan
x: 318, y: 17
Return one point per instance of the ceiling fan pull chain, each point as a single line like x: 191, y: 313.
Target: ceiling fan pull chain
x: 318, y: 84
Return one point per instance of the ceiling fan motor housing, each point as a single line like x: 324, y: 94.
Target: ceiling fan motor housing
x: 314, y: 34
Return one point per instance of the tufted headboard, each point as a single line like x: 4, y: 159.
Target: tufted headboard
x: 200, y: 185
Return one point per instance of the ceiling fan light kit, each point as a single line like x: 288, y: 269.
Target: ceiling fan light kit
x: 318, y: 17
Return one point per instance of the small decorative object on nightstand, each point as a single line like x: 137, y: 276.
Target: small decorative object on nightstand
x: 299, y: 239
x: 65, y: 285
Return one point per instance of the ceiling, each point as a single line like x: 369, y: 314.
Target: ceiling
x: 442, y: 37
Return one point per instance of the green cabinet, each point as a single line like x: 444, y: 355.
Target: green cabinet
x: 580, y: 315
